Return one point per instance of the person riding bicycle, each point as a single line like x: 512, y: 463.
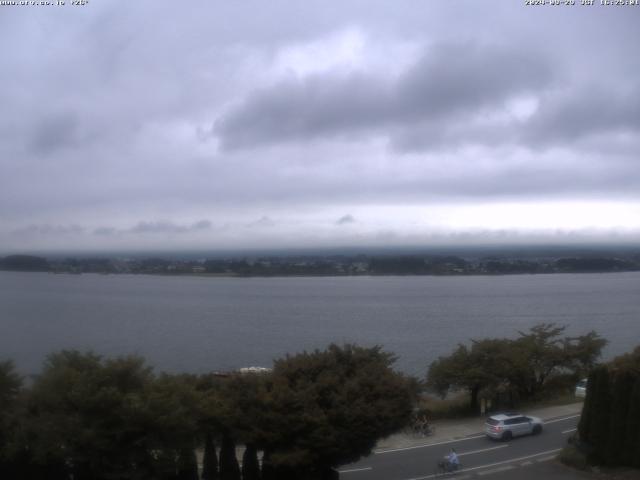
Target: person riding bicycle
x: 453, y: 463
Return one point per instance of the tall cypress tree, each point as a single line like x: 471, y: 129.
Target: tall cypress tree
x: 621, y: 393
x: 229, y: 468
x: 187, y: 464
x: 166, y: 465
x: 600, y: 416
x: 250, y: 465
x: 268, y: 472
x: 584, y: 425
x: 210, y: 459
x: 632, y: 436
x: 330, y: 474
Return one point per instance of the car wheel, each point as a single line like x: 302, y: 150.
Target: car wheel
x: 537, y: 429
x: 506, y: 436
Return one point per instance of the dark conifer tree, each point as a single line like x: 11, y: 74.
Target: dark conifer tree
x: 229, y: 468
x: 187, y: 464
x: 621, y: 393
x: 210, y: 459
x: 166, y: 465
x: 250, y: 465
x: 10, y: 386
x: 585, y: 423
x: 330, y: 474
x: 268, y: 472
x: 50, y: 470
x: 632, y: 436
x: 600, y: 415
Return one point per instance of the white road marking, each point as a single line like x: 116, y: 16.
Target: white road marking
x: 497, y: 470
x: 569, y: 431
x: 514, y: 459
x: 546, y: 459
x: 562, y: 419
x: 483, y: 450
x: 493, y: 464
x: 355, y: 470
x: 425, y: 445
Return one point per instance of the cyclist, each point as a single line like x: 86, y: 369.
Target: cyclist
x: 453, y: 463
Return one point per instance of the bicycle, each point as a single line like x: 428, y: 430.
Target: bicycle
x: 422, y: 429
x: 443, y: 467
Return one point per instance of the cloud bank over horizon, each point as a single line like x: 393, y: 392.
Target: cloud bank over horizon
x: 219, y: 125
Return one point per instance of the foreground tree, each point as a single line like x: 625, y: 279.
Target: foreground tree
x: 632, y: 432
x: 104, y: 419
x: 187, y: 465
x: 250, y: 464
x: 88, y: 414
x: 484, y: 367
x: 172, y: 412
x: 521, y: 368
x: 229, y: 468
x: 609, y: 428
x: 546, y: 354
x: 330, y: 407
x: 210, y: 459
x: 10, y: 386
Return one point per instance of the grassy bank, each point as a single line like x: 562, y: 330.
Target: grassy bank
x: 457, y: 405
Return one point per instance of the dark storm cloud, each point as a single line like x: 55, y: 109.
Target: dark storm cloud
x: 588, y: 111
x: 448, y: 80
x: 466, y: 77
x: 301, y: 109
x: 54, y: 132
x: 345, y: 220
x: 584, y: 120
x: 201, y: 225
x: 105, y: 231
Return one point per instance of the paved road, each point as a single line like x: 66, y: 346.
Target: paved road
x: 480, y: 456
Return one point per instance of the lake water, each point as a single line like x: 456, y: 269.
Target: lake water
x: 198, y: 324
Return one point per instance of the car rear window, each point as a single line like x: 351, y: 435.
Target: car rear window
x: 492, y: 421
x: 517, y: 420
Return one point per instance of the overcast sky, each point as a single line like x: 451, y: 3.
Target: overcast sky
x: 242, y: 124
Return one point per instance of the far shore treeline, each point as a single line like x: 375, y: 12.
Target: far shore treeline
x: 477, y: 263
x: 90, y: 417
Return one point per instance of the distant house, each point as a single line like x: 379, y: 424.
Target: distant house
x: 248, y: 370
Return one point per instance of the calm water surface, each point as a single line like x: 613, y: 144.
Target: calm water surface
x: 198, y: 324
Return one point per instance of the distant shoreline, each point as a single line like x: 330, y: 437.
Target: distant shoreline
x: 336, y: 265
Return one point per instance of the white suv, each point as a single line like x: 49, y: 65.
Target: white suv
x: 581, y: 388
x: 509, y: 425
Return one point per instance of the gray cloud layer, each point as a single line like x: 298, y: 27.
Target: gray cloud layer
x: 449, y: 80
x: 431, y: 106
x: 235, y: 112
x: 169, y: 227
